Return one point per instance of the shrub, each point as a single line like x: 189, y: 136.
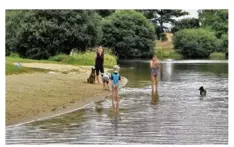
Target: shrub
x: 196, y: 43
x: 129, y: 33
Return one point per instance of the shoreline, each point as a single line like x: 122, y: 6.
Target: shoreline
x: 34, y: 97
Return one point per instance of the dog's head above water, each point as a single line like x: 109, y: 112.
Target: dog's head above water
x: 201, y: 88
x: 202, y: 91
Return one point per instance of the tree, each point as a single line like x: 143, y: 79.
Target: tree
x: 129, y: 33
x: 196, y: 43
x: 105, y: 12
x: 187, y: 23
x: 162, y: 16
x: 217, y: 20
x: 13, y: 18
x: 45, y: 33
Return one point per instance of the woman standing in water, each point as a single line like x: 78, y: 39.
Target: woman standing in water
x: 99, y: 60
x: 155, y: 68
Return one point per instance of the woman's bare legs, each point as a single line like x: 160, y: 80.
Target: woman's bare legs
x: 153, y: 83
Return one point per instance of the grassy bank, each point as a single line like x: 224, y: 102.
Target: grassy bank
x: 13, y: 69
x: 217, y: 56
x: 86, y: 58
x: 165, y: 50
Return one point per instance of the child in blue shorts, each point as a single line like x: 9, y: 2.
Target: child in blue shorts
x: 115, y: 78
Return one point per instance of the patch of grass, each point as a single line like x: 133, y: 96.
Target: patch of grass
x: 217, y: 56
x: 86, y: 58
x: 164, y: 54
x: 13, y: 69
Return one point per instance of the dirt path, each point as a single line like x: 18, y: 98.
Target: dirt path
x: 29, y: 96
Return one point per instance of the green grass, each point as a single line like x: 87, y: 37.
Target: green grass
x: 217, y: 56
x: 165, y: 54
x: 13, y: 69
x: 86, y: 58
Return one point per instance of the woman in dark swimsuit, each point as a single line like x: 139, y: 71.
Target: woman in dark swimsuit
x: 154, y: 65
x: 99, y: 60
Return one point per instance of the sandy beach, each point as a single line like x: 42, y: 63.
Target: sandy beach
x: 31, y: 96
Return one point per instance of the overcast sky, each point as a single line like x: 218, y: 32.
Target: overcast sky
x: 193, y: 13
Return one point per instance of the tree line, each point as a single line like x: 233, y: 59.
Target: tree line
x: 40, y: 34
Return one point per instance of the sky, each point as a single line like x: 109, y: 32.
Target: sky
x: 193, y: 12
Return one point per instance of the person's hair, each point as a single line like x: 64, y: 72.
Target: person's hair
x: 116, y: 67
x: 100, y: 47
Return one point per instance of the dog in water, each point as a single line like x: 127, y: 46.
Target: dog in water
x: 91, y: 78
x: 202, y: 91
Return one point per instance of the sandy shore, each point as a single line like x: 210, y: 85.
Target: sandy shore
x: 31, y: 96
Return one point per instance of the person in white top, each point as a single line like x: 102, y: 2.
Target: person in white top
x: 105, y: 80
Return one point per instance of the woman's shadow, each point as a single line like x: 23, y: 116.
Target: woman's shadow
x: 155, y: 97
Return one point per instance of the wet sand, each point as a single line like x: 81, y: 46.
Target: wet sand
x: 36, y: 95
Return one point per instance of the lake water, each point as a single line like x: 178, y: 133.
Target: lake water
x: 176, y: 114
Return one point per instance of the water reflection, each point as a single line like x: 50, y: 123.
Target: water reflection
x: 166, y: 71
x: 155, y: 97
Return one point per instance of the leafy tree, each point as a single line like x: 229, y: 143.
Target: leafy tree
x: 196, y: 43
x: 105, y: 12
x: 218, y: 21
x: 13, y: 18
x: 45, y: 33
x: 162, y: 16
x: 129, y: 33
x: 188, y: 23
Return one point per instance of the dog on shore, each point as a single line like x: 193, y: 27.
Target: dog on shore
x: 91, y: 78
x: 202, y: 91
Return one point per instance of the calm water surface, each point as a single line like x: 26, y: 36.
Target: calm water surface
x: 176, y: 114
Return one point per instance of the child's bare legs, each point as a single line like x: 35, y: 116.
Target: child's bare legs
x: 113, y: 94
x: 116, y: 94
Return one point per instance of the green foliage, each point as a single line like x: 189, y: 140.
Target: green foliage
x: 196, y: 43
x: 13, y: 69
x: 163, y: 54
x: 86, y: 58
x: 187, y: 23
x: 129, y: 33
x: 105, y: 12
x: 13, y: 19
x: 218, y: 21
x: 217, y: 56
x: 162, y: 16
x: 45, y: 33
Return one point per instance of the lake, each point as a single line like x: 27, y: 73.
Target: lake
x: 176, y: 114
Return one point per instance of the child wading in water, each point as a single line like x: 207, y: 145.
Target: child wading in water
x: 115, y: 78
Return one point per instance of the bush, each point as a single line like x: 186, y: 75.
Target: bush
x: 45, y: 33
x: 196, y: 43
x: 129, y: 33
x: 218, y: 56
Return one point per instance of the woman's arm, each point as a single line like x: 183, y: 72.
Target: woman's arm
x: 151, y: 64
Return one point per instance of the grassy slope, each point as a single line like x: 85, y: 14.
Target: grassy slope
x: 78, y: 59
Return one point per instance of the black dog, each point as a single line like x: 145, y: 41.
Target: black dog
x: 202, y: 91
x: 91, y: 78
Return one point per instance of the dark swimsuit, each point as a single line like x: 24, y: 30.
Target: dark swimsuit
x: 99, y: 63
x: 154, y: 70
